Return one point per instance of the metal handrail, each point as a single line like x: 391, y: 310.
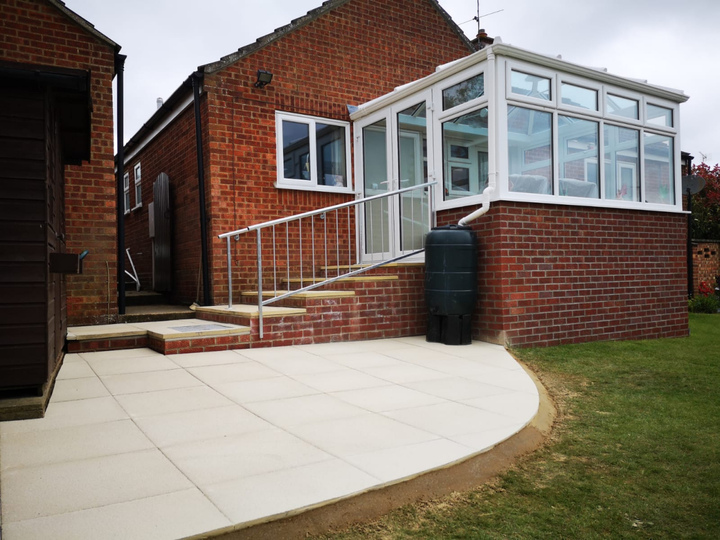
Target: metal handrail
x: 324, y: 215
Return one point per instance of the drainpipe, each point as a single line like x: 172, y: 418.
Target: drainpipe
x: 196, y: 81
x: 120, y: 166
x: 480, y: 211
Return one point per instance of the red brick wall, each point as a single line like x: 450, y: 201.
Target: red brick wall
x: 354, y: 53
x: 706, y: 263
x: 34, y: 32
x: 551, y: 274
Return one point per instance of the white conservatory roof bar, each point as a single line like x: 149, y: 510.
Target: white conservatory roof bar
x: 508, y: 124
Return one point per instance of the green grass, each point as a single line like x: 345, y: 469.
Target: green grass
x: 635, y: 453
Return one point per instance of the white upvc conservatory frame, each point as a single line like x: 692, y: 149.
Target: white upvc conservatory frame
x: 496, y: 62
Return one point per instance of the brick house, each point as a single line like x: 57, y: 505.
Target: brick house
x: 57, y: 185
x: 584, y: 237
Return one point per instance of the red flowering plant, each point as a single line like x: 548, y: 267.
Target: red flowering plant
x: 706, y: 301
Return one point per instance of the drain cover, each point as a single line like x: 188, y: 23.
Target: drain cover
x: 199, y: 328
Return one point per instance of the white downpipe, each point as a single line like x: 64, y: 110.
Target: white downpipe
x: 480, y: 211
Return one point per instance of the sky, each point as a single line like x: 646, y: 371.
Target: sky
x: 669, y: 43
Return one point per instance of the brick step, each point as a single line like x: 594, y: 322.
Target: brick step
x: 144, y: 298
x: 166, y: 337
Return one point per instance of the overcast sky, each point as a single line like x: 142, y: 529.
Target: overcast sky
x: 670, y: 43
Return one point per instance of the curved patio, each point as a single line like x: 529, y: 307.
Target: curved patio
x: 272, y: 442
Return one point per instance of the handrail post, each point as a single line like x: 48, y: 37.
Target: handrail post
x: 229, y: 264
x: 260, y: 290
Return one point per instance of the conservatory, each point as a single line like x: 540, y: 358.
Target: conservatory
x: 572, y: 178
x: 506, y: 124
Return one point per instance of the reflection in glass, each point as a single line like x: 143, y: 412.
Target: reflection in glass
x: 530, y: 85
x: 620, y: 106
x: 577, y: 96
x: 530, y: 151
x: 296, y: 150
x: 463, y: 92
x: 622, y: 163
x: 412, y: 146
x: 578, y: 146
x: 659, y: 185
x: 659, y: 116
x: 465, y: 151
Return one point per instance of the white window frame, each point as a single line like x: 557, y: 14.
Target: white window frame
x: 126, y: 190
x: 137, y: 179
x: 312, y: 183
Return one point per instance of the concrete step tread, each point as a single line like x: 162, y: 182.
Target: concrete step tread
x: 173, y: 329
x: 248, y: 310
x: 306, y: 294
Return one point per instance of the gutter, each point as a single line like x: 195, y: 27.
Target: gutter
x: 119, y: 71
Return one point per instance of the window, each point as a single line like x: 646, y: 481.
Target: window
x: 529, y: 85
x: 138, y: 185
x: 620, y: 106
x: 622, y: 163
x: 463, y: 92
x: 465, y: 155
x: 578, y: 146
x: 577, y: 96
x: 530, y: 151
x: 658, y: 151
x: 659, y: 116
x: 126, y: 187
x: 313, y: 153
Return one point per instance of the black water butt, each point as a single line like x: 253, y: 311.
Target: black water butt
x: 450, y: 283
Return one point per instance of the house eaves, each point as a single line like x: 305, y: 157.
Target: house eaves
x: 86, y: 25
x: 309, y: 17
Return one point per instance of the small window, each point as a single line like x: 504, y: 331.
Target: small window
x: 659, y: 116
x: 620, y: 106
x: 578, y: 147
x: 577, y: 96
x: 138, y: 185
x: 529, y: 85
x: 463, y: 92
x: 659, y: 186
x: 312, y: 153
x: 126, y: 188
x: 530, y: 151
x: 465, y: 154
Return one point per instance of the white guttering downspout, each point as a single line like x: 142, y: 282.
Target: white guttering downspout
x: 492, y: 142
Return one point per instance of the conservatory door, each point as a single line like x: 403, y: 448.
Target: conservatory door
x: 395, y: 157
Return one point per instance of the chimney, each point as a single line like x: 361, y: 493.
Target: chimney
x: 159, y: 102
x: 482, y: 40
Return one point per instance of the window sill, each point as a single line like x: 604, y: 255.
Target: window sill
x: 314, y: 187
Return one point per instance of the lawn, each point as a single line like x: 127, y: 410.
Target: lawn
x: 635, y: 452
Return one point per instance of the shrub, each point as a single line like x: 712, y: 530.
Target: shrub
x: 704, y: 304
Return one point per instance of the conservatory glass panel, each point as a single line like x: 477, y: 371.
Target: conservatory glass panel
x: 577, y: 96
x: 620, y: 106
x: 465, y: 155
x: 530, y: 85
x: 375, y: 182
x: 622, y: 163
x: 659, y: 116
x: 463, y: 92
x: 578, y: 145
x: 412, y: 154
x: 530, y: 151
x: 659, y: 185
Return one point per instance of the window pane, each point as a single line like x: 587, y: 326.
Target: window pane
x: 620, y: 106
x: 463, y: 92
x: 375, y: 181
x: 530, y: 151
x: 659, y: 185
x: 465, y: 155
x: 622, y: 163
x: 330, y: 140
x: 412, y: 150
x: 578, y: 152
x: 296, y: 150
x: 660, y: 116
x: 530, y: 85
x: 578, y: 96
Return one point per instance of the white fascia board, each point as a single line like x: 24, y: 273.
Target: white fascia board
x: 172, y: 115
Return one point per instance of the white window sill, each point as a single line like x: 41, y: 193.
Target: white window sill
x: 308, y: 186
